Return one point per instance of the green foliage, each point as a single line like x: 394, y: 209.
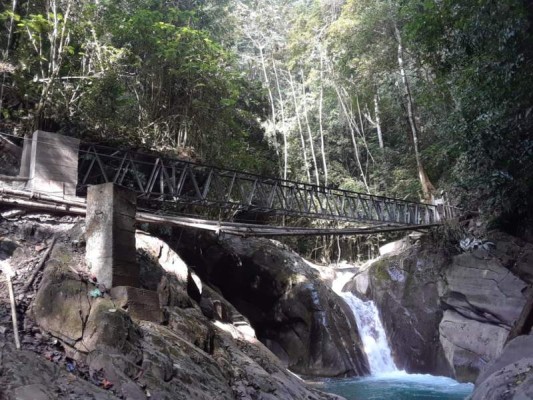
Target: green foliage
x: 219, y: 76
x: 481, y: 54
x: 141, y: 72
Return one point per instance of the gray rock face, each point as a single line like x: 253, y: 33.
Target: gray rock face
x: 51, y: 308
x: 404, y: 287
x: 483, y: 301
x: 359, y: 285
x: 297, y: 316
x: 451, y: 314
x: 482, y: 289
x: 28, y: 376
x: 469, y: 344
x: 510, y: 376
x: 191, y: 357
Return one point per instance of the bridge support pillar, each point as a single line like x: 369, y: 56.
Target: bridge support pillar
x: 110, y: 222
x: 50, y: 162
x: 111, y: 251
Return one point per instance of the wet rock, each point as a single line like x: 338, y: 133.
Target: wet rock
x: 404, y: 287
x: 359, y: 285
x: 510, y: 376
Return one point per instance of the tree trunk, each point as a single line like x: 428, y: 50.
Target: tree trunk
x: 378, y: 122
x: 427, y: 187
x: 283, y: 125
x: 311, y: 144
x: 270, y: 98
x: 354, y: 141
x: 300, y: 129
x: 59, y: 39
x: 320, y: 104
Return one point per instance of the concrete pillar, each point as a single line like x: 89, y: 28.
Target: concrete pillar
x: 53, y: 163
x: 110, y: 226
x: 25, y: 159
x: 111, y: 250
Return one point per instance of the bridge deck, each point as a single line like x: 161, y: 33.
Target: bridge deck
x: 53, y: 166
x: 171, y: 184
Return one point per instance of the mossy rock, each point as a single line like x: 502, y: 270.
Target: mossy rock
x: 61, y: 308
x: 62, y: 255
x: 379, y: 270
x: 109, y: 327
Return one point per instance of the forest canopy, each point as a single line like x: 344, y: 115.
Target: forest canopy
x: 415, y: 99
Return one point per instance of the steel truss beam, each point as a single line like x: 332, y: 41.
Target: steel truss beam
x: 176, y: 182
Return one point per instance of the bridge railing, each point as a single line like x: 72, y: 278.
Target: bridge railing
x: 180, y: 182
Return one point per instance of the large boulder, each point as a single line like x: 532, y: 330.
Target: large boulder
x: 404, y: 287
x: 297, y: 316
x: 483, y: 300
x: 62, y: 306
x: 469, y: 344
x: 477, y: 286
x: 192, y: 356
x: 449, y: 312
x: 510, y: 376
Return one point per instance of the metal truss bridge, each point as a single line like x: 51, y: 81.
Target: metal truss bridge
x: 169, y: 186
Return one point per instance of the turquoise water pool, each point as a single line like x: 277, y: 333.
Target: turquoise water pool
x: 399, y: 386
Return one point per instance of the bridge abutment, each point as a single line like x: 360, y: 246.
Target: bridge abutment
x: 110, y: 222
x: 111, y: 251
x: 50, y: 162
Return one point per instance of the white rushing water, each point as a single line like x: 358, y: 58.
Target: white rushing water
x: 386, y: 382
x: 370, y: 328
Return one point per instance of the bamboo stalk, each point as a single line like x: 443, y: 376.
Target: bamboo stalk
x: 9, y: 273
x: 13, y: 312
x: 232, y: 228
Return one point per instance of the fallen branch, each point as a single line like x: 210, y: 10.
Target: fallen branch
x: 39, y: 266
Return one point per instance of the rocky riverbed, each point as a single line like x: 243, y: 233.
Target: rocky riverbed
x: 457, y: 310
x: 239, y: 314
x: 77, y: 343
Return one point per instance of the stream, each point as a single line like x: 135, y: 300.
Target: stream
x: 386, y: 382
x: 399, y: 386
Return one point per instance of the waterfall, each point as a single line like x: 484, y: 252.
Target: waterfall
x: 370, y: 328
